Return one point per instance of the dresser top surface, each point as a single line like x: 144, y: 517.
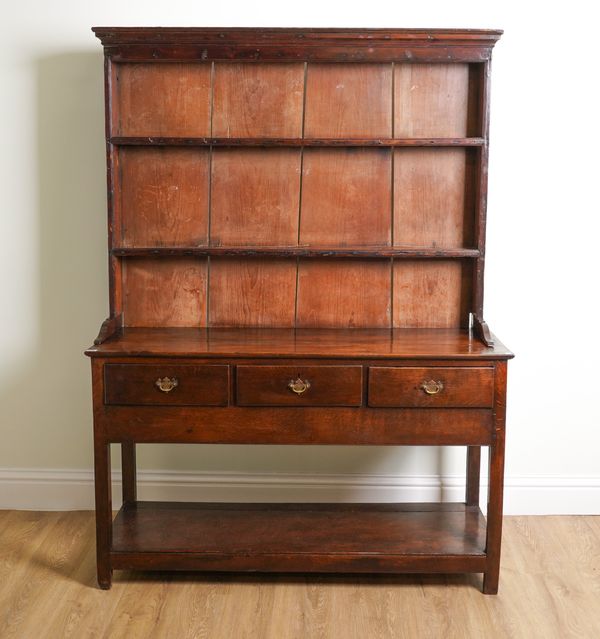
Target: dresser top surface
x: 310, y: 343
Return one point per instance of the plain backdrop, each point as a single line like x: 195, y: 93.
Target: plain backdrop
x: 542, y: 267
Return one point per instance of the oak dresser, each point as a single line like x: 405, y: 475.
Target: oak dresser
x: 296, y: 228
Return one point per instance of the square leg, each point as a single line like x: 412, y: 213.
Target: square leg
x: 103, y: 512
x: 128, y: 472
x: 496, y: 485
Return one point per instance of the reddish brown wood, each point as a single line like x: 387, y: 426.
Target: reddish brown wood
x: 496, y: 485
x: 341, y: 188
x: 302, y: 425
x: 358, y: 537
x: 348, y: 101
x: 258, y: 100
x: 480, y: 186
x: 110, y: 326
x: 162, y: 99
x: 316, y: 198
x: 373, y: 252
x: 327, y: 385
x: 129, y: 472
x: 115, y: 292
x: 431, y: 100
x: 317, y: 562
x: 405, y: 387
x: 252, y: 293
x: 482, y: 330
x: 136, y: 384
x: 254, y: 197
x: 325, y: 45
x: 295, y: 142
x: 164, y: 196
x: 431, y: 294
x: 165, y: 292
x: 344, y: 294
x: 404, y: 344
x: 473, y: 475
x: 285, y: 36
x: 102, y: 483
x: 430, y: 199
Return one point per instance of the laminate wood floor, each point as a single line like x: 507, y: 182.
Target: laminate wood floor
x: 549, y: 588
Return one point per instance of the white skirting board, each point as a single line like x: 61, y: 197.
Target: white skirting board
x: 56, y: 489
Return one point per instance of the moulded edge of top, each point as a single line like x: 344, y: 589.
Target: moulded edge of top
x: 246, y: 36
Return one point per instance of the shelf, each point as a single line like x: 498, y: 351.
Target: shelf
x: 300, y: 537
x: 295, y: 251
x: 297, y: 142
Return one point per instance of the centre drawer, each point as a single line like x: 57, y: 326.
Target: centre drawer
x: 166, y: 384
x: 436, y: 386
x: 299, y: 385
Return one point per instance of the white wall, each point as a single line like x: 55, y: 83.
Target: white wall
x: 542, y: 274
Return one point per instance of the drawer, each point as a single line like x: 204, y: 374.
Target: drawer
x: 449, y: 387
x: 299, y: 385
x: 166, y: 384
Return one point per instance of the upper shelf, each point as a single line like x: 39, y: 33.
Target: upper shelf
x: 296, y: 142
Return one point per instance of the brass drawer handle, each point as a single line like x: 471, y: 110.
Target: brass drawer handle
x: 299, y: 386
x: 432, y: 387
x: 166, y: 384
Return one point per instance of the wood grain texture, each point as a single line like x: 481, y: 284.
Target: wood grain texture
x: 262, y: 142
x: 346, y: 197
x: 328, y: 385
x: 162, y: 99
x: 431, y: 294
x: 344, y: 214
x: 255, y: 197
x: 314, y: 45
x: 252, y: 292
x: 402, y: 386
x: 253, y: 100
x: 430, y: 199
x: 348, y: 100
x: 406, y: 343
x: 129, y: 472
x: 309, y: 425
x: 344, y: 294
x: 165, y: 292
x: 164, y: 196
x: 135, y: 384
x: 431, y: 100
x: 373, y: 252
x: 379, y: 531
x: 495, y: 501
x: 549, y: 575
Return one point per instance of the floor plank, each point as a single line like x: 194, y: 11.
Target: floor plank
x: 550, y: 587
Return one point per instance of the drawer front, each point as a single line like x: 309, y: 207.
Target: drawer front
x: 448, y: 387
x: 166, y: 384
x: 299, y: 385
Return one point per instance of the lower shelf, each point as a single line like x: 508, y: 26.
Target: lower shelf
x: 389, y: 538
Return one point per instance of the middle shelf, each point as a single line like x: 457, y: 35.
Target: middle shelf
x: 373, y: 252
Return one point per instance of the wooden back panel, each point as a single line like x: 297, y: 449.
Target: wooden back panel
x: 214, y: 195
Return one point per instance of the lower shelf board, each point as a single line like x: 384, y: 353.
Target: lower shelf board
x: 428, y: 537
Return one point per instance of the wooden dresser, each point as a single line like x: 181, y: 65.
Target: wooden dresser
x: 296, y: 255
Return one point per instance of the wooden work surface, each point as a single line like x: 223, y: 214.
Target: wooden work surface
x: 236, y: 342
